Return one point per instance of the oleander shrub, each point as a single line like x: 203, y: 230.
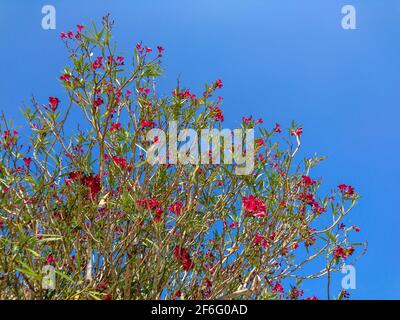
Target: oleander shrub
x: 82, y: 199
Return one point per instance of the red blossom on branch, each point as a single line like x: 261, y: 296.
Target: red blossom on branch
x: 254, y: 206
x: 54, y: 103
x: 176, y: 208
x: 184, y: 258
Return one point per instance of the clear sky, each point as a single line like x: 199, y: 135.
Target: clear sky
x: 279, y: 60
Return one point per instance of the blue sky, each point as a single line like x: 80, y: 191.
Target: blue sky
x: 279, y: 60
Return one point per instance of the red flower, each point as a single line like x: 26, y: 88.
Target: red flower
x: 121, y: 162
x: 152, y: 204
x: 295, y: 293
x: 339, y: 252
x: 277, y: 288
x: 219, y: 84
x: 350, y: 251
x: 308, y: 198
x: 277, y: 128
x: 309, y: 239
x: 98, y: 63
x: 158, y: 215
x: 312, y: 298
x: 139, y: 47
x: 27, y: 161
x: 50, y: 259
x: 182, y: 255
x: 350, y: 190
x: 184, y: 94
x: 254, y: 206
x: 115, y: 127
x: 147, y: 124
x: 145, y: 91
x: 308, y: 181
x: 187, y: 264
x: 318, y: 209
x: 343, y: 253
x: 260, y: 239
x: 247, y: 120
x: 260, y: 142
x: 102, y: 285
x: 98, y: 102
x: 160, y: 51
x: 149, y: 203
x: 65, y: 77
x: 233, y: 225
x: 217, y: 113
x: 178, y: 252
x: 54, y: 103
x: 93, y: 183
x: 344, y: 188
x: 296, y: 132
x: 79, y: 27
x: 75, y: 175
x: 39, y: 236
x: 176, y: 208
x: 120, y: 61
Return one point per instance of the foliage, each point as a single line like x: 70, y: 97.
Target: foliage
x: 114, y: 226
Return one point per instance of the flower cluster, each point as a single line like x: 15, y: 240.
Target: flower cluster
x: 184, y: 258
x: 254, y: 206
x: 343, y: 253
